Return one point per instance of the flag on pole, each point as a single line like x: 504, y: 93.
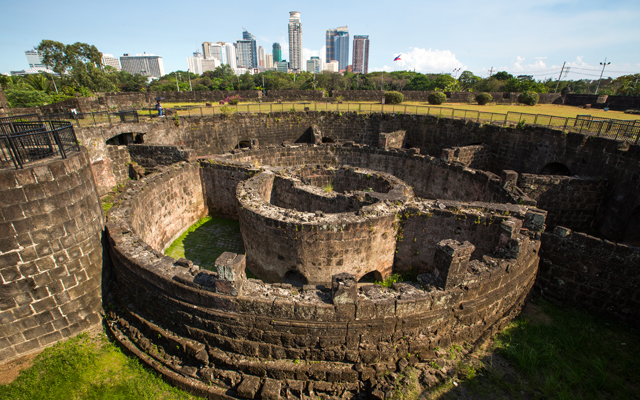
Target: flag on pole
x: 397, y: 59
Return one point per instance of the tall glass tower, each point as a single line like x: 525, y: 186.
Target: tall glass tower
x: 277, y: 52
x: 295, y: 41
x: 252, y: 61
x: 337, y: 43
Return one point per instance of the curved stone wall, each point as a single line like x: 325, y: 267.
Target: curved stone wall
x: 50, y: 254
x: 286, y: 231
x: 274, y: 340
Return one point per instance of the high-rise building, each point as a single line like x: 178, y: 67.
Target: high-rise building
x: 337, y: 43
x: 243, y: 53
x: 225, y: 53
x: 314, y: 65
x: 277, y: 52
x: 142, y: 64
x: 205, y: 49
x: 282, y: 66
x: 110, y: 60
x: 268, y: 61
x: 253, y: 51
x: 360, y: 54
x: 331, y: 66
x: 295, y: 41
x: 260, y: 56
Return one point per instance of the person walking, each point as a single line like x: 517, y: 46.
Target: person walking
x: 159, y: 108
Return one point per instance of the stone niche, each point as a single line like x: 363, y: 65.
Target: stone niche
x: 310, y: 223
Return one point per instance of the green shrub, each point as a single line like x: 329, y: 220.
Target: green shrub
x: 484, y: 98
x: 393, y: 98
x: 529, y: 98
x: 437, y: 98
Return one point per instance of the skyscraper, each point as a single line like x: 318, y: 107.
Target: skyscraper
x: 337, y: 43
x: 268, y: 61
x: 253, y: 51
x: 243, y: 53
x: 360, y: 54
x: 261, y: 56
x: 295, y: 41
x: 277, y: 52
x: 229, y: 54
x: 205, y: 49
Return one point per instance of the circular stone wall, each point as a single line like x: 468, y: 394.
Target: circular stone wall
x: 221, y: 335
x: 50, y: 254
x: 310, y: 233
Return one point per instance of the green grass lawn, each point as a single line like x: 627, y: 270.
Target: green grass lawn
x: 88, y: 367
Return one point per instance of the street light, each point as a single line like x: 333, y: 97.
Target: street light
x: 178, y: 86
x: 604, y: 64
x: 189, y: 73
x: 455, y: 72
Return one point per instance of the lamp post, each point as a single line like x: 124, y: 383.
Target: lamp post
x: 604, y: 64
x: 178, y: 86
x: 455, y: 72
x: 189, y: 73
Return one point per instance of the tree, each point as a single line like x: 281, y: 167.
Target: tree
x: 503, y: 76
x: 468, y: 80
x: 23, y: 95
x: 77, y: 64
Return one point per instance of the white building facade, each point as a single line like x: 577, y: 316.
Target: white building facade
x: 143, y: 64
x: 295, y: 41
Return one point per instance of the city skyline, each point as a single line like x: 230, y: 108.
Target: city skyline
x: 526, y: 38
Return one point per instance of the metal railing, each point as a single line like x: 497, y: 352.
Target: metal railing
x: 25, y: 142
x: 625, y: 130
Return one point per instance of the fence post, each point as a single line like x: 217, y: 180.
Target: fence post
x: 566, y: 122
x: 201, y: 113
x: 535, y: 121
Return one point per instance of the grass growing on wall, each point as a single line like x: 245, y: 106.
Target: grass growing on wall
x: 206, y: 240
x: 87, y: 367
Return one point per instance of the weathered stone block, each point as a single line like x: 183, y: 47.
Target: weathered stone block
x: 344, y: 289
x: 451, y: 262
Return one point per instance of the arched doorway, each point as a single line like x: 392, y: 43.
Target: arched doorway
x: 555, y: 168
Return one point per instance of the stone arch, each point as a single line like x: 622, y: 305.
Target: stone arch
x: 555, y: 168
x: 373, y: 276
x: 126, y: 138
x: 295, y: 278
x: 328, y: 140
x: 244, y: 144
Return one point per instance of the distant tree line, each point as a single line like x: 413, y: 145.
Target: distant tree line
x: 80, y: 72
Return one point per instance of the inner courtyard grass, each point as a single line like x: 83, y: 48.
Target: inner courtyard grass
x: 206, y: 240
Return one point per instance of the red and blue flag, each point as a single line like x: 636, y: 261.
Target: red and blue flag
x: 397, y: 59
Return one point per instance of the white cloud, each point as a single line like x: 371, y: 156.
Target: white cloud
x: 517, y: 66
x: 423, y: 60
x: 308, y: 53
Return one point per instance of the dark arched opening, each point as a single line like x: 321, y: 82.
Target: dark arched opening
x: 328, y: 140
x: 295, y: 278
x: 632, y: 233
x: 373, y: 276
x: 127, y: 138
x: 555, y: 168
x: 244, y: 144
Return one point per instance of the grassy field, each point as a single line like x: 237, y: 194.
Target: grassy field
x: 410, y: 107
x: 549, y: 352
x: 88, y: 367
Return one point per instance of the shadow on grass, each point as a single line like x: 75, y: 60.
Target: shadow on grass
x: 552, y: 352
x: 206, y: 240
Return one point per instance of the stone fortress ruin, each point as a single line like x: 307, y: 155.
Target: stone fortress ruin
x: 472, y: 216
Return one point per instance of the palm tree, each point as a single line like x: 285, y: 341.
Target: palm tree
x: 39, y: 82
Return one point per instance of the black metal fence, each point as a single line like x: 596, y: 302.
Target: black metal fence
x: 22, y: 142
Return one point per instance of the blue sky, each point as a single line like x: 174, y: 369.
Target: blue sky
x: 521, y: 37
